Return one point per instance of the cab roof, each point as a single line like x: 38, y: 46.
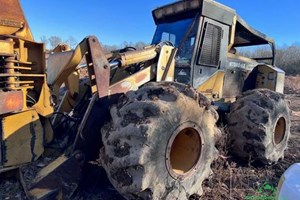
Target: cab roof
x: 245, y: 35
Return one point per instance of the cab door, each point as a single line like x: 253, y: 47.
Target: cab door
x: 211, y: 52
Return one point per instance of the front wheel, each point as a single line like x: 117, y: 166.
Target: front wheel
x: 160, y: 143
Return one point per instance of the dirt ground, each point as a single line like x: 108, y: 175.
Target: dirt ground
x: 231, y: 179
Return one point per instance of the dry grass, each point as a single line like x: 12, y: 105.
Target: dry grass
x: 234, y: 179
x: 292, y: 85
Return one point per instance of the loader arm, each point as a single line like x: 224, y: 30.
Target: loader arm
x: 157, y: 61
x: 159, y: 58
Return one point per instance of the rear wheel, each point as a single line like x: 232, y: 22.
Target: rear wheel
x: 259, y: 126
x: 160, y: 142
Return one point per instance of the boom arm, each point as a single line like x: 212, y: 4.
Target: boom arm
x: 61, y: 65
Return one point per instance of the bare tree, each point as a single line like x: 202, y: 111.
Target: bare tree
x: 109, y: 48
x: 44, y: 40
x: 71, y: 41
x: 126, y: 44
x: 289, y: 59
x: 54, y: 41
x: 140, y: 45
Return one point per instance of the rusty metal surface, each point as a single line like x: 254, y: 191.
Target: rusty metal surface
x: 100, y: 66
x: 12, y: 19
x: 132, y: 82
x: 61, y: 65
x: 9, y: 70
x: 11, y: 9
x: 11, y: 101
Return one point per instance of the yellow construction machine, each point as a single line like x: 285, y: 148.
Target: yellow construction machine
x: 149, y: 116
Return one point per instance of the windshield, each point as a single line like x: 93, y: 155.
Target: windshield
x: 182, y: 34
x: 172, y: 32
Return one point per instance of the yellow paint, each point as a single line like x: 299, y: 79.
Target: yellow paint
x: 164, y: 57
x: 44, y: 106
x: 213, y: 87
x: 39, y: 192
x: 51, y: 167
x: 72, y: 83
x: 133, y: 57
x: 67, y: 61
x: 24, y: 99
x: 23, y: 51
x: 21, y: 131
x: 232, y: 33
x: 6, y: 47
x: 61, y: 48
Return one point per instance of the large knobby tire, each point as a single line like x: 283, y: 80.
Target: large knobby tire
x: 259, y: 126
x: 160, y: 143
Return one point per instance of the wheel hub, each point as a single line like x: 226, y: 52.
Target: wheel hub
x: 184, y: 151
x: 279, y: 131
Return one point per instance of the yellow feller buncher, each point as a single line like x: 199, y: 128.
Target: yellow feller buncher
x: 149, y: 116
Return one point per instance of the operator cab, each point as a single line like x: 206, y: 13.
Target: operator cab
x: 207, y: 35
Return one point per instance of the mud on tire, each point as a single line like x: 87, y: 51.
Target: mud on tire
x: 259, y: 126
x: 160, y: 143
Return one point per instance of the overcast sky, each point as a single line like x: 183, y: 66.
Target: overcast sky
x: 116, y: 21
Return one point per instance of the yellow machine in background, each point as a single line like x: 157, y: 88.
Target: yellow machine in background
x: 25, y: 95
x: 156, y: 107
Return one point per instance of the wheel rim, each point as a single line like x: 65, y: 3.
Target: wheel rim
x: 184, y: 152
x: 279, y: 132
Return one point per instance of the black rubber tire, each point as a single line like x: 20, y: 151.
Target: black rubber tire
x: 136, y: 141
x: 252, y: 122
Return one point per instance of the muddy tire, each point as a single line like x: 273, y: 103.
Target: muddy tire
x: 160, y: 143
x: 259, y: 126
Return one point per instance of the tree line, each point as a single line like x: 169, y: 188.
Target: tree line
x: 287, y: 57
x: 52, y: 41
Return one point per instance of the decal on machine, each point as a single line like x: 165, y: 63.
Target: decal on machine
x: 237, y: 65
